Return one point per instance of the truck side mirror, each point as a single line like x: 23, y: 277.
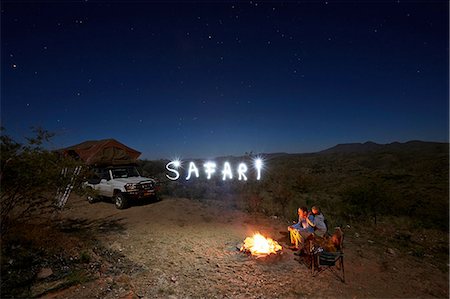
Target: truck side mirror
x: 94, y: 181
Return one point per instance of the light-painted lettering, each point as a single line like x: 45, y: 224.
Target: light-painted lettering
x: 192, y: 168
x: 176, y: 164
x: 242, y: 169
x: 210, y: 168
x: 226, y: 172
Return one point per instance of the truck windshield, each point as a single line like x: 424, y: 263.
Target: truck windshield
x: 124, y: 172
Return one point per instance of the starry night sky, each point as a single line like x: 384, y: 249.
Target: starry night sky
x: 209, y: 79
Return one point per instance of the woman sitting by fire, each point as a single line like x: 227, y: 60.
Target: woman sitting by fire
x: 302, y: 229
x: 318, y: 223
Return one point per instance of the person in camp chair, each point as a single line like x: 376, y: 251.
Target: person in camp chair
x: 318, y: 222
x: 302, y: 229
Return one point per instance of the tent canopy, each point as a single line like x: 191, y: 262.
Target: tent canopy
x: 102, y: 152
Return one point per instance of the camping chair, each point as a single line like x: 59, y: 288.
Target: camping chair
x: 322, y: 260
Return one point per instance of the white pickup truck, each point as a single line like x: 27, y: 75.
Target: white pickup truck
x: 120, y: 183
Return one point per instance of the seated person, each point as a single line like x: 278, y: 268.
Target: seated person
x: 318, y: 223
x: 301, y: 230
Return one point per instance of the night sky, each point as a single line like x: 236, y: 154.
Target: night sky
x: 224, y: 78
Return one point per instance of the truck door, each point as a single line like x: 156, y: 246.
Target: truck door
x: 105, y: 186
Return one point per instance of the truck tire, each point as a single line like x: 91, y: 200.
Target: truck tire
x: 90, y: 197
x: 120, y: 201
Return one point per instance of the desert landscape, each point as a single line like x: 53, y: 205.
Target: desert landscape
x: 175, y: 149
x: 181, y: 248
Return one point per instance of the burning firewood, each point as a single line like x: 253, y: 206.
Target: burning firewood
x: 260, y: 246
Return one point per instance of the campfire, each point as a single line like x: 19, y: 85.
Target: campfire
x: 259, y: 246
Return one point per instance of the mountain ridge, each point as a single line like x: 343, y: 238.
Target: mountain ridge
x: 370, y: 146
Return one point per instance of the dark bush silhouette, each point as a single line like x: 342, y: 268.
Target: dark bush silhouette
x: 30, y: 175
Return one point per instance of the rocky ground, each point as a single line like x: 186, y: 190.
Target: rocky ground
x: 182, y: 248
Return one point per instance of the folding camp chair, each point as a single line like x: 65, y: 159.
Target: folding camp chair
x: 322, y: 260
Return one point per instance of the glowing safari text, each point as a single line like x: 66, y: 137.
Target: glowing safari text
x: 210, y: 167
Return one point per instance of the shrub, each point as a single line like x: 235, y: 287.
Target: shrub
x: 30, y: 175
x: 364, y: 201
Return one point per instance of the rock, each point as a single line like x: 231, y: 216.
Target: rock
x: 116, y: 246
x: 217, y: 265
x: 356, y: 235
x: 173, y: 279
x: 390, y: 251
x: 370, y: 241
x: 39, y: 289
x: 44, y: 273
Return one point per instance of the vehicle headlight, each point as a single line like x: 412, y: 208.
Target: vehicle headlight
x: 131, y: 187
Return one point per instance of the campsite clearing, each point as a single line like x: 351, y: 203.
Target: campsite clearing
x: 182, y: 248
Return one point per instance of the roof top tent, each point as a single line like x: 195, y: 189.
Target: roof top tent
x: 97, y: 153
x: 106, y: 152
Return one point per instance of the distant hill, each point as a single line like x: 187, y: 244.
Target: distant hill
x: 370, y: 146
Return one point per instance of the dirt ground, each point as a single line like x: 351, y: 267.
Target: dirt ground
x: 180, y: 248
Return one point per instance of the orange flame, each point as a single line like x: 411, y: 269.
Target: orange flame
x: 259, y: 245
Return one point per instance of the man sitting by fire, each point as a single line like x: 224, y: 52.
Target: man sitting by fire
x: 302, y: 229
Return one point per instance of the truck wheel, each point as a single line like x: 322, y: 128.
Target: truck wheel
x: 120, y: 201
x: 90, y: 197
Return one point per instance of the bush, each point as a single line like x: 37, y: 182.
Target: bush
x: 30, y: 176
x: 364, y: 201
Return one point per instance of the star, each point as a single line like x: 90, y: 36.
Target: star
x: 14, y: 66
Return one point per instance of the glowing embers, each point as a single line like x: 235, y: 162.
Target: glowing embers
x: 260, y: 246
x: 210, y: 169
